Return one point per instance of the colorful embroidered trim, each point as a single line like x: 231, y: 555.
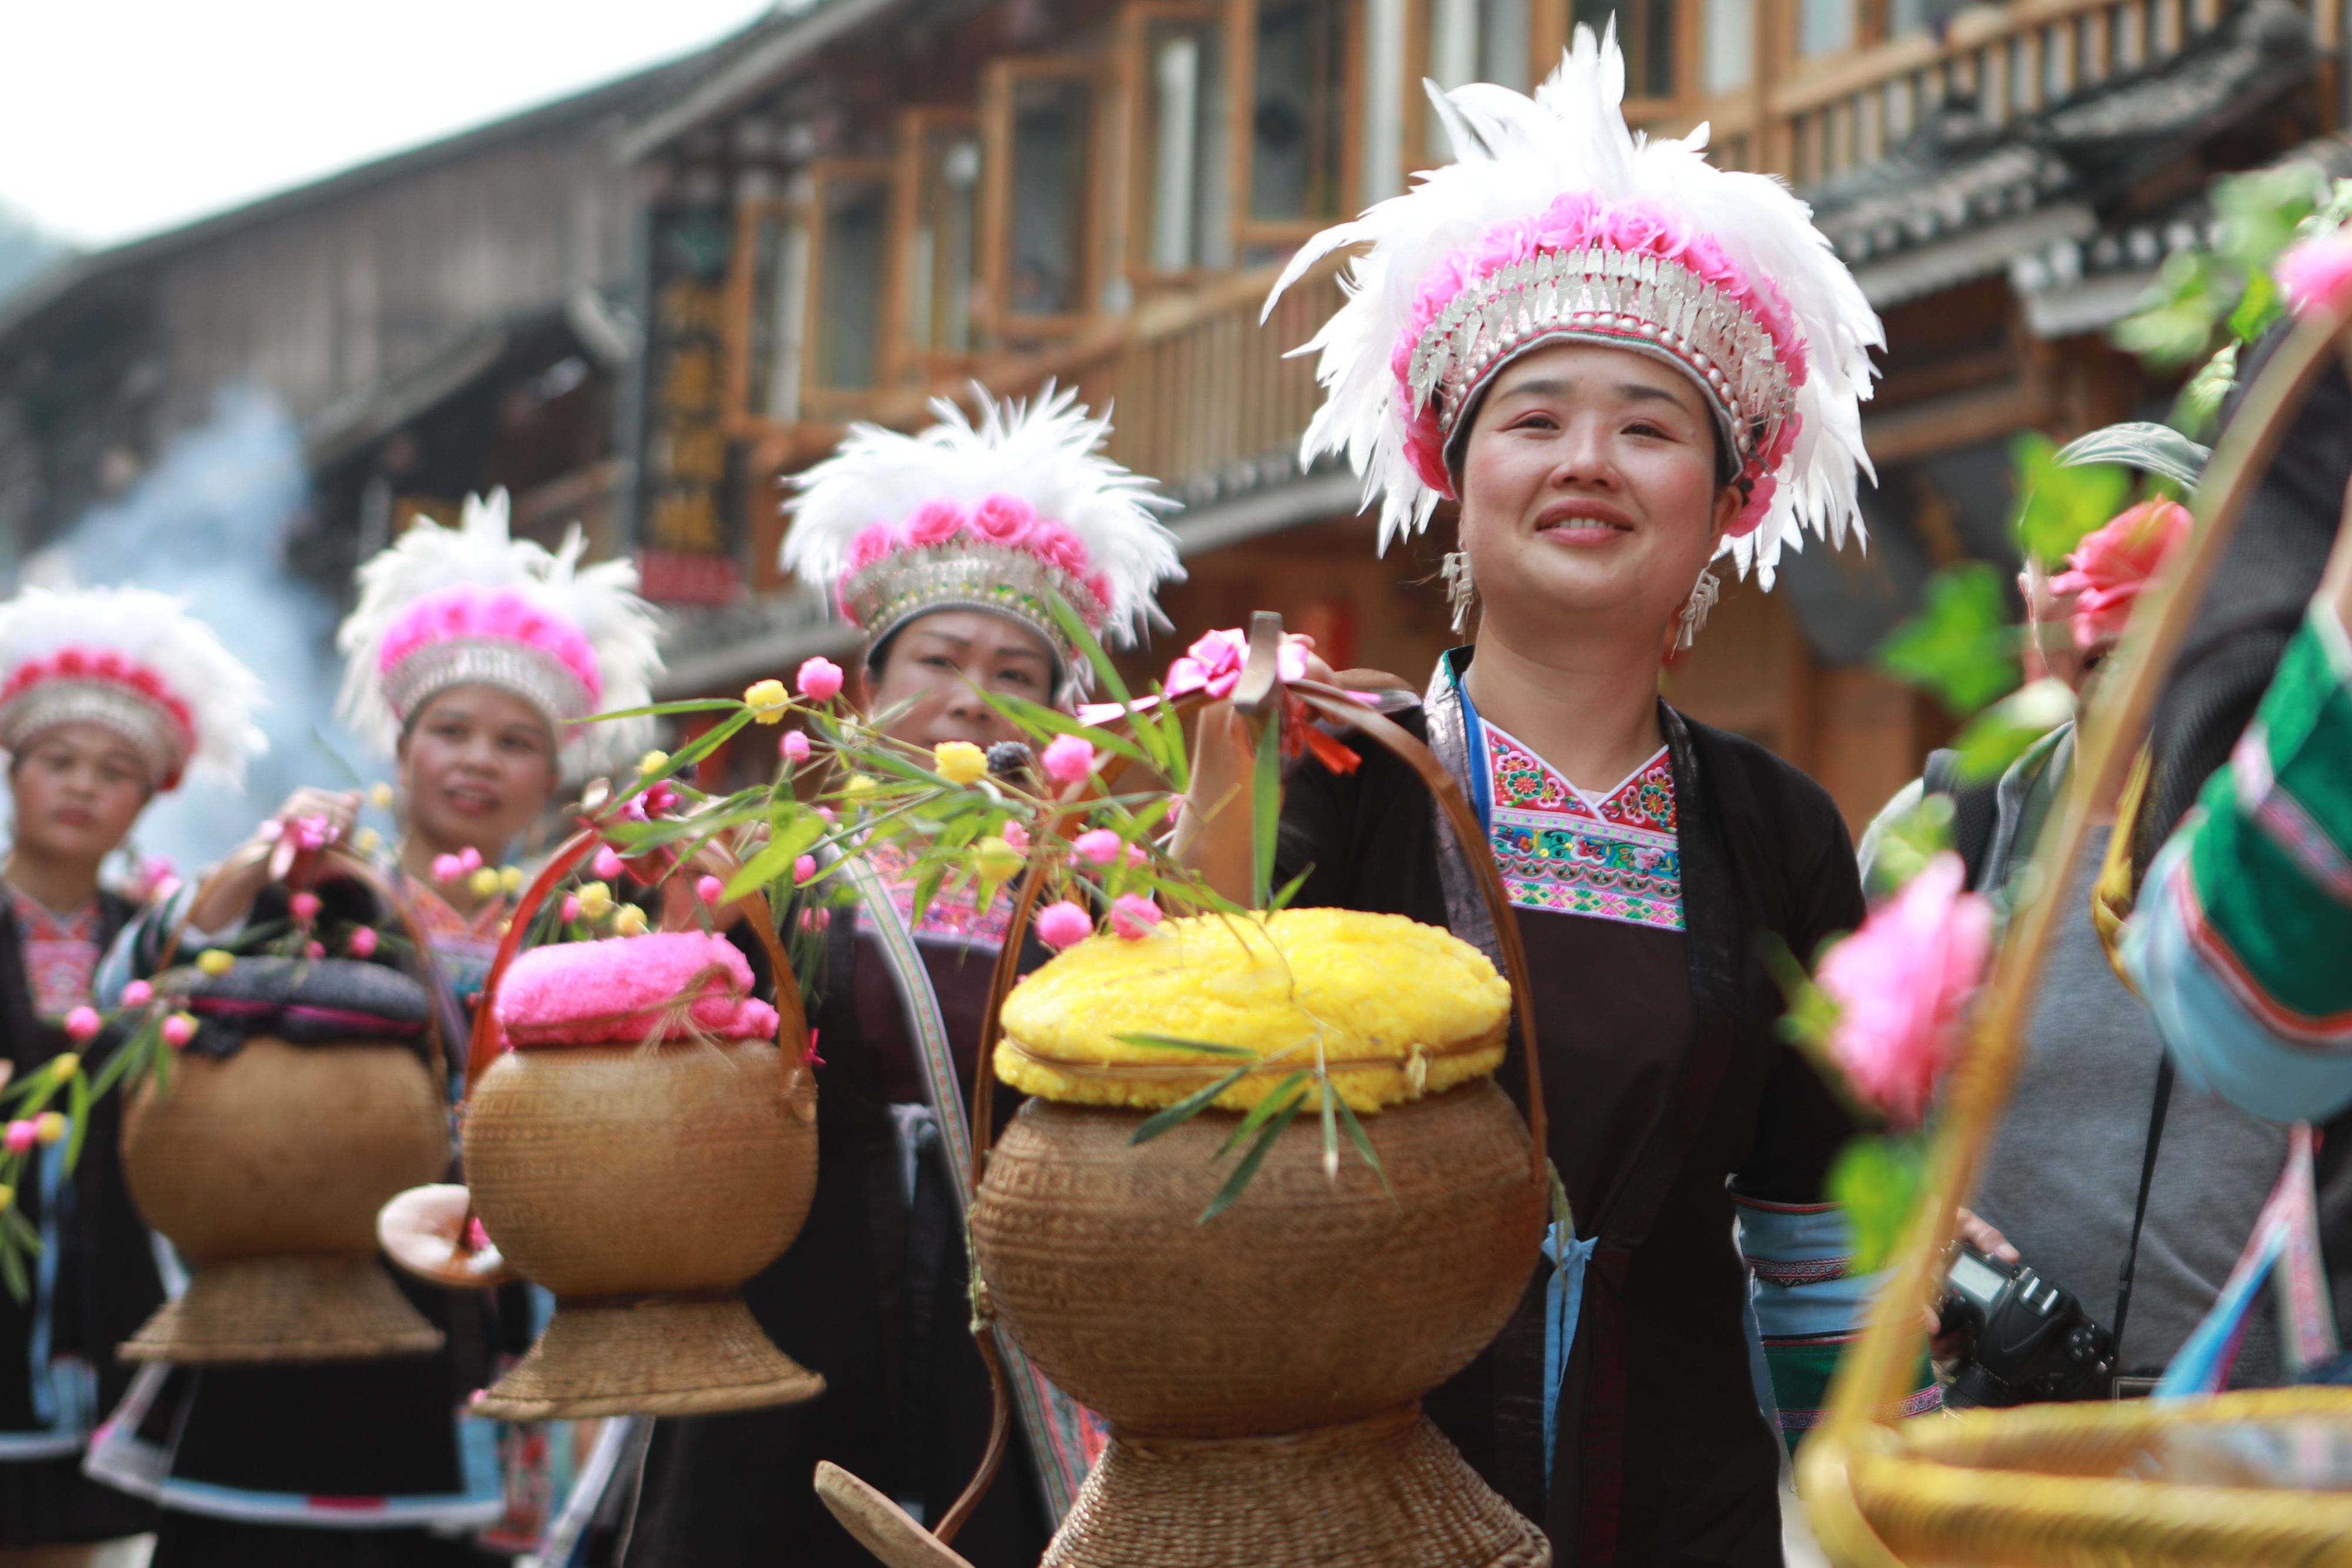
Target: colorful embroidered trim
x: 1612, y: 857
x: 953, y: 914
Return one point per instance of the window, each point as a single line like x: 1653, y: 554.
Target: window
x: 1297, y: 103
x: 1907, y: 17
x: 1646, y: 31
x: 811, y: 277
x: 940, y: 171
x: 1472, y: 40
x: 1039, y: 168
x: 1727, y: 51
x: 853, y: 256
x: 774, y: 258
x: 1824, y: 26
x: 1182, y: 176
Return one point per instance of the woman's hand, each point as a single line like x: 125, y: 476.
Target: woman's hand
x: 224, y: 902
x: 1213, y: 834
x: 423, y: 1231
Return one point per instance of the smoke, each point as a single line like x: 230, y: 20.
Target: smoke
x: 208, y: 522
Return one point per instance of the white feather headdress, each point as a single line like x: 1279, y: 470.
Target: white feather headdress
x: 1558, y: 223
x: 445, y: 607
x: 998, y: 514
x: 135, y: 661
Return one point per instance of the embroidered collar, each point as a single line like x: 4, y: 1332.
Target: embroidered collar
x: 1612, y: 856
x: 953, y: 914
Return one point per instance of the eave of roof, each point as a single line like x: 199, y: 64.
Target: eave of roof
x: 746, y: 67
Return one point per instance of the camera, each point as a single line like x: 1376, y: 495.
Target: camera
x: 2028, y: 1340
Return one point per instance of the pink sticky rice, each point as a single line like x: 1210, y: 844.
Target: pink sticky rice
x: 619, y: 990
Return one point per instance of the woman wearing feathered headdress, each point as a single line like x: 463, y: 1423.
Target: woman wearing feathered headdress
x: 1621, y: 363
x: 107, y: 695
x: 471, y: 658
x: 948, y: 549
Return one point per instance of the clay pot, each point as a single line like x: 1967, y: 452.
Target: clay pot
x: 1277, y: 1350
x: 265, y: 1169
x: 643, y: 1186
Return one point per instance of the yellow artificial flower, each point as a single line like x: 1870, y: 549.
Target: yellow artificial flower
x: 64, y: 1065
x: 959, y: 761
x: 595, y: 901
x: 858, y: 784
x: 367, y: 840
x: 767, y: 700
x: 49, y: 1126
x: 993, y: 859
x: 629, y: 920
x: 381, y: 795
x: 484, y: 882
x: 652, y: 762
x: 510, y: 878
x: 215, y: 962
x: 7, y: 1194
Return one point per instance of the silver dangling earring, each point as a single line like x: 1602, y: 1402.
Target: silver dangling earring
x: 1458, y: 587
x: 1703, y: 595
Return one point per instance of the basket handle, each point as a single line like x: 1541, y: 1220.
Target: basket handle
x: 295, y: 866
x: 1988, y: 1070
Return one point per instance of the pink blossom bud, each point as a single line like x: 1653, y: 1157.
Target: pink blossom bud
x: 815, y: 919
x: 23, y: 1136
x: 827, y: 815
x: 82, y: 1024
x: 314, y: 949
x: 1068, y: 760
x: 269, y: 831
x: 165, y: 888
x: 470, y: 859
x: 607, y: 864
x: 1138, y: 855
x: 710, y: 890
x: 1133, y: 914
x: 138, y: 994
x: 304, y: 906
x: 361, y: 943
x: 1017, y: 836
x: 1061, y: 924
x: 661, y: 797
x: 819, y: 680
x: 570, y: 908
x: 447, y: 869
x: 793, y: 748
x: 1098, y: 846
x: 178, y: 1029
x: 804, y: 869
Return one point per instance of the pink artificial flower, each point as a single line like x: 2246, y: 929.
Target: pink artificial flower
x: 361, y: 943
x: 22, y: 1136
x: 2317, y: 274
x: 178, y: 1029
x: 138, y: 994
x: 793, y: 748
x: 1059, y: 547
x: 710, y: 890
x: 607, y: 865
x: 304, y: 906
x: 1137, y: 856
x: 313, y: 832
x: 447, y: 869
x: 827, y: 815
x: 815, y: 919
x: 1004, y: 520
x: 469, y: 859
x: 2113, y: 564
x: 571, y: 909
x: 1133, y: 914
x: 1214, y: 664
x: 82, y: 1025
x: 1099, y: 846
x: 314, y: 949
x: 1017, y: 836
x: 934, y: 522
x: 819, y: 679
x: 1061, y: 924
x: 1070, y: 759
x: 1901, y: 985
x: 803, y: 869
x: 871, y: 546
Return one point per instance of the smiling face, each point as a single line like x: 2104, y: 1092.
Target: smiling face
x: 1589, y: 491
x: 476, y: 766
x: 78, y: 787
x: 940, y: 662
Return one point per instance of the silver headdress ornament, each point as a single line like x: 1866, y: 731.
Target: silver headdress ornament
x: 136, y: 662
x: 472, y: 605
x: 1557, y: 223
x: 1000, y: 514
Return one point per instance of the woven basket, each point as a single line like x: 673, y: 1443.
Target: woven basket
x: 642, y: 1186
x: 2107, y: 1484
x: 1261, y: 1372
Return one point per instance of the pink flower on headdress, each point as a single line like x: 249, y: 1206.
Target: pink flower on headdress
x: 2113, y: 564
x: 1099, y: 589
x: 1004, y: 520
x: 934, y: 522
x: 1902, y: 983
x: 2317, y: 273
x: 1059, y: 547
x: 871, y: 545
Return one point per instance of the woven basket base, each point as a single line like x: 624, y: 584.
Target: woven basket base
x: 314, y: 1307
x: 1389, y: 1493
x: 650, y: 1355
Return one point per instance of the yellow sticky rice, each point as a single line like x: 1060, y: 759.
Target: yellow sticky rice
x: 1415, y: 1009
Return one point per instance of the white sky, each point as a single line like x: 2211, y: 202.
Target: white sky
x: 119, y: 118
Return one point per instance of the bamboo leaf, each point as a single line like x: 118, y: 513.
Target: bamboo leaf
x: 1185, y: 1110
x: 1083, y: 639
x: 709, y: 741
x: 659, y: 710
x: 1176, y: 1042
x: 78, y: 1119
x: 2152, y: 448
x: 1242, y: 1174
x: 1260, y: 1111
x: 775, y: 861
x: 1289, y: 890
x: 12, y: 1269
x: 1364, y: 1143
x: 1053, y: 721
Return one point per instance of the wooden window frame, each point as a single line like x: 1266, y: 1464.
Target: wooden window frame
x: 1418, y: 158
x: 1241, y: 88
x: 998, y: 78
x: 1135, y: 107
x: 904, y: 363
x: 807, y: 206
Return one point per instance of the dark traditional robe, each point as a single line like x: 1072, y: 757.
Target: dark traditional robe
x: 1666, y: 1085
